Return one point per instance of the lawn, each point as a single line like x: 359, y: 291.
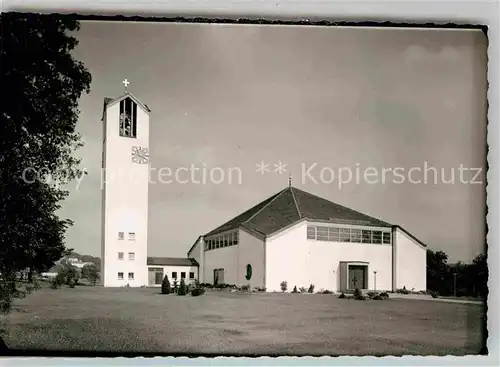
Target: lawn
x: 95, y: 319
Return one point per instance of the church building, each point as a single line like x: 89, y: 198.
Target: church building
x: 302, y: 239
x: 293, y: 236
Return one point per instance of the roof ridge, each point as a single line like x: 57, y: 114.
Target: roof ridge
x: 270, y: 201
x: 295, y: 201
x: 344, y: 207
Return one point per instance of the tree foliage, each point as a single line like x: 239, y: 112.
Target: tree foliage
x: 42, y: 84
x: 182, y: 291
x: 91, y: 273
x: 460, y: 279
x: 165, y: 285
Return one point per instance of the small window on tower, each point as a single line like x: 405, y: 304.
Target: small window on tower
x: 131, y: 255
x: 131, y: 236
x: 120, y: 256
x: 121, y: 235
x: 120, y: 276
x: 130, y: 276
x: 128, y: 118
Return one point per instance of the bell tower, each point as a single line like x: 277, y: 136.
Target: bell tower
x: 124, y: 185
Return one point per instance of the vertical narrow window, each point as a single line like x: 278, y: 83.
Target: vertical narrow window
x: 174, y: 275
x: 235, y: 238
x: 131, y: 255
x: 183, y: 275
x: 356, y: 235
x: 230, y: 243
x: 120, y: 256
x: 367, y: 236
x: 130, y: 276
x: 134, y: 120
x: 333, y: 234
x: 121, y: 235
x: 322, y: 233
x: 226, y: 240
x: 345, y: 235
x: 377, y: 237
x: 387, y: 237
x: 128, y: 118
x: 120, y: 276
x: 311, y: 232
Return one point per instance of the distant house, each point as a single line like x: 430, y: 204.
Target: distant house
x: 303, y: 239
x: 174, y: 268
x: 78, y: 263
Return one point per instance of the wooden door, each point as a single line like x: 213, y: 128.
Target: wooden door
x: 357, y: 276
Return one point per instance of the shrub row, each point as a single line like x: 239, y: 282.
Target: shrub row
x: 358, y: 295
x: 181, y: 289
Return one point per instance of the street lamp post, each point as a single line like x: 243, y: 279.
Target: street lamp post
x: 375, y: 280
x: 454, y: 284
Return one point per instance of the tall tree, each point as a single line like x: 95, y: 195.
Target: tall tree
x: 42, y: 84
x: 480, y: 270
x: 437, y: 269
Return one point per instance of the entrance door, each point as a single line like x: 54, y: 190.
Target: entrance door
x: 218, y: 276
x: 357, y: 276
x: 151, y: 277
x: 159, y: 277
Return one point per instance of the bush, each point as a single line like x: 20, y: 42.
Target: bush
x: 358, y: 295
x: 434, y: 294
x: 284, y: 286
x: 198, y: 291
x: 176, y: 286
x: 72, y: 283
x: 182, y: 291
x: 342, y: 295
x: 302, y: 290
x: 165, y: 286
x: 60, y: 278
x: 311, y: 289
x: 325, y: 291
x: 260, y: 289
x: 295, y: 289
x: 384, y: 295
x: 403, y: 291
x: 245, y: 288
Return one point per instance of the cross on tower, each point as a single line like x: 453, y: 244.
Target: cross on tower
x: 126, y: 83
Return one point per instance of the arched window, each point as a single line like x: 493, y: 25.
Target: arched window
x: 128, y: 118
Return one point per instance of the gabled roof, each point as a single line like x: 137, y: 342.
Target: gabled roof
x: 111, y: 101
x: 194, y: 244
x: 291, y: 205
x: 173, y: 261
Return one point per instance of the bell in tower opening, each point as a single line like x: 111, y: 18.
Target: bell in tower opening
x: 128, y: 118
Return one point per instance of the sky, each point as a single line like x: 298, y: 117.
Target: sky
x: 320, y: 100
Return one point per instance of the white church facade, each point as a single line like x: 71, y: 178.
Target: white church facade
x: 303, y: 239
x: 292, y: 236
